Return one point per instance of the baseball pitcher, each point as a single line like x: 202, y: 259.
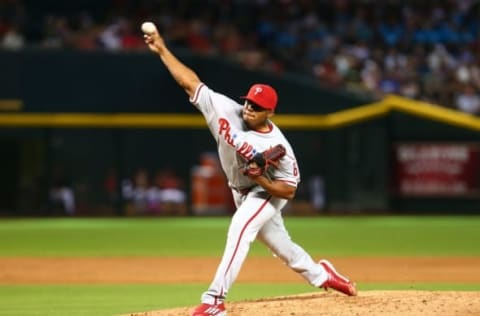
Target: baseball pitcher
x: 263, y: 174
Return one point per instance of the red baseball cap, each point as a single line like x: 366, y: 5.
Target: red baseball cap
x: 262, y: 95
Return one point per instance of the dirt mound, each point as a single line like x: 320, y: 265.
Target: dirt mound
x: 372, y: 303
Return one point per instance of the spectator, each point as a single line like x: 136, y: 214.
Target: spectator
x: 361, y: 46
x: 139, y: 196
x: 13, y: 39
x: 468, y: 100
x: 170, y: 192
x: 61, y: 195
x: 57, y: 32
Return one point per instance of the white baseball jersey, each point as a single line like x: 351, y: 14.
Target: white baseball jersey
x: 258, y: 214
x: 237, y: 143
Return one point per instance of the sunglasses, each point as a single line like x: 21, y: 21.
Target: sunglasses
x: 254, y: 107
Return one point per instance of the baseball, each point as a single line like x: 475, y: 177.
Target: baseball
x: 148, y: 28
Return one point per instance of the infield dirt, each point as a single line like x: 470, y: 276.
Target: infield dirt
x: 20, y: 270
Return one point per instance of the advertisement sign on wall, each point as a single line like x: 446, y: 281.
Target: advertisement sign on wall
x: 436, y: 169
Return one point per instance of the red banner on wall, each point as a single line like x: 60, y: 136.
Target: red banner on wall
x: 436, y: 169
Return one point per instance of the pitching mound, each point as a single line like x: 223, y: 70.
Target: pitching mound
x: 372, y: 303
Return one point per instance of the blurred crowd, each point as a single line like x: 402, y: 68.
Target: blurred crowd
x: 143, y: 193
x: 426, y: 50
x: 163, y: 194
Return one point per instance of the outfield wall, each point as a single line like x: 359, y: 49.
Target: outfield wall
x: 92, y: 113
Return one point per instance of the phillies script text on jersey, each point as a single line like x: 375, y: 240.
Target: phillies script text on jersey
x: 245, y: 150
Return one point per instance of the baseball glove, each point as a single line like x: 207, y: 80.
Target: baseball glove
x: 261, y: 161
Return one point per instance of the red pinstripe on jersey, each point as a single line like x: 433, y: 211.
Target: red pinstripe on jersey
x: 241, y: 234
x: 194, y: 99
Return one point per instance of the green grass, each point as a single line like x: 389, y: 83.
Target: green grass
x: 332, y: 236
x: 88, y: 300
x: 110, y: 300
x: 325, y: 236
x: 119, y: 299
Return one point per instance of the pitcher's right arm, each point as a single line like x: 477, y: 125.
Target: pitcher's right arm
x: 182, y: 74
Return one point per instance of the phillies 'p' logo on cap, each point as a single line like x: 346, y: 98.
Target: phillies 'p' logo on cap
x: 262, y: 95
